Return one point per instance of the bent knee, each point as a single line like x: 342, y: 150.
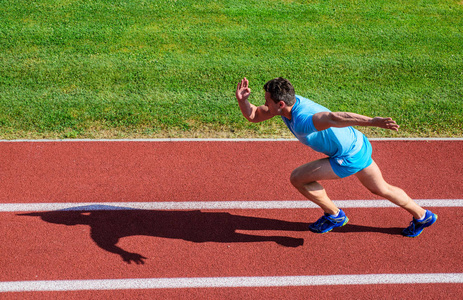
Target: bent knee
x: 382, y: 191
x: 296, y: 178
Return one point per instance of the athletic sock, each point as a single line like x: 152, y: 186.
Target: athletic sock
x: 422, y: 218
x: 334, y: 216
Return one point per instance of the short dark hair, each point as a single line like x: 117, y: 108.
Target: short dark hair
x: 281, y: 89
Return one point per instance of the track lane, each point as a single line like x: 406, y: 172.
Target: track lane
x: 38, y: 172
x: 48, y: 251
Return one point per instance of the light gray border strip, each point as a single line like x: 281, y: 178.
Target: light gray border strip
x: 227, y: 282
x: 215, y: 140
x: 212, y: 205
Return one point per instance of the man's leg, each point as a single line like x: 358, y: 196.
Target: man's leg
x: 305, y: 177
x: 372, y: 179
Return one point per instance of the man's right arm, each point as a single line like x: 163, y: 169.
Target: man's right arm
x: 251, y: 112
x: 324, y: 120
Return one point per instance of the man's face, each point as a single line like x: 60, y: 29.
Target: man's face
x: 273, y: 107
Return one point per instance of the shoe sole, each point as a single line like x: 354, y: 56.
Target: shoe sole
x: 345, y: 222
x: 414, y: 236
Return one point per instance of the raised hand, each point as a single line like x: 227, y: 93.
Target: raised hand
x: 242, y: 90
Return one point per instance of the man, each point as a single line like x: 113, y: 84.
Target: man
x: 348, y: 151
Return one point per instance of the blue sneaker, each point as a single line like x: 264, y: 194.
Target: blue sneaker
x: 416, y: 227
x: 327, y: 222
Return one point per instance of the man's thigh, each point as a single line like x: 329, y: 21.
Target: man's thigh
x: 313, y: 171
x: 372, y: 178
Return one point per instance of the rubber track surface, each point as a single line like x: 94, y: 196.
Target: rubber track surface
x: 77, y: 245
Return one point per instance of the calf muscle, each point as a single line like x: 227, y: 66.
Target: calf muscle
x: 373, y: 180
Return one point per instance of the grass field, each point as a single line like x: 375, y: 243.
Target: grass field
x: 147, y: 69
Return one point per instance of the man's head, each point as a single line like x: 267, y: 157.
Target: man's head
x: 280, y: 89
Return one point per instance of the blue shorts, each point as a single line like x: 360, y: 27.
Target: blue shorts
x: 347, y: 165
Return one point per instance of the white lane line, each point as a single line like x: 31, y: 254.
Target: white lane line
x: 227, y: 282
x: 299, y: 204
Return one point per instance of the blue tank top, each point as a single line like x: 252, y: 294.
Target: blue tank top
x: 333, y: 142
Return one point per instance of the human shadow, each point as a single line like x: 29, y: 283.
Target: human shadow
x: 108, y: 224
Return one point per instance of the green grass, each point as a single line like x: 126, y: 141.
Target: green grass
x: 141, y: 69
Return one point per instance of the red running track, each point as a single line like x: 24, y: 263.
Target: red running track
x: 68, y: 245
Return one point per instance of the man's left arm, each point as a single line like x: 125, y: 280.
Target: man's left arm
x: 325, y: 120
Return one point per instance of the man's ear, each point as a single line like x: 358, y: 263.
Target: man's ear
x: 281, y: 104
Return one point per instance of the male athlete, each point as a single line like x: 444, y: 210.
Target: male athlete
x: 348, y: 151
